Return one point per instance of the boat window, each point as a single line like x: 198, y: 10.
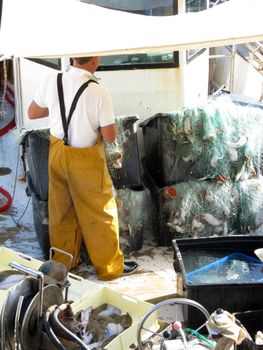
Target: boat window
x: 195, y: 5
x: 54, y: 63
x: 139, y: 60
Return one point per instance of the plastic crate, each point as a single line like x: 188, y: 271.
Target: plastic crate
x: 135, y: 213
x: 40, y: 218
x: 164, y: 166
x: 129, y: 175
x: 233, y: 297
x: 136, y: 308
x: 78, y: 285
x: 36, y: 145
x: 252, y: 321
x: 234, y: 267
x: 160, y: 215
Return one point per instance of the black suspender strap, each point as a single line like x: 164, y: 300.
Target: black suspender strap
x: 61, y: 102
x: 66, y: 121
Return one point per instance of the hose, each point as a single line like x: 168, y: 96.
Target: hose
x: 66, y: 331
x: 200, y: 336
x: 8, y: 198
x: 51, y: 334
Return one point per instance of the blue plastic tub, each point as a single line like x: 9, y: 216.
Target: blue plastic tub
x: 236, y: 267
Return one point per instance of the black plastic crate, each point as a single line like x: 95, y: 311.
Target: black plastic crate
x: 36, y: 145
x: 162, y: 233
x: 252, y: 321
x: 233, y: 297
x: 40, y: 218
x: 165, y: 164
x: 129, y: 175
x: 159, y: 147
x: 136, y: 212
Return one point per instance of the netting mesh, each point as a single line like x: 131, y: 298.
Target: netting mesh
x: 135, y: 213
x: 114, y: 150
x: 219, y: 138
x: 220, y: 143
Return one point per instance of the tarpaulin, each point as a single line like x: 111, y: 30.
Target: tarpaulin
x: 57, y: 28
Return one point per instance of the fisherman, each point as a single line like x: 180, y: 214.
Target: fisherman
x: 81, y: 202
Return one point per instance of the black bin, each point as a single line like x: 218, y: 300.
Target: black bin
x: 129, y: 175
x: 36, y: 145
x: 160, y: 148
x: 136, y: 211
x: 162, y: 233
x: 233, y: 297
x: 40, y: 218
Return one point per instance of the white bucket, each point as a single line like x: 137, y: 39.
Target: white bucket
x: 259, y: 253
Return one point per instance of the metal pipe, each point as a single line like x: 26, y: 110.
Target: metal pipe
x: 2, y: 325
x: 232, y: 68
x: 66, y: 281
x: 219, y: 56
x: 181, y: 301
x: 17, y: 318
x: 18, y: 91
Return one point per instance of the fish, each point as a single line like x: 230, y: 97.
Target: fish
x: 9, y: 278
x: 188, y: 158
x: 241, y: 142
x: 107, y: 310
x: 241, y: 173
x: 233, y: 154
x: 187, y: 126
x: 212, y: 220
x: 209, y: 196
x: 197, y: 224
x: 214, y: 160
x: 105, y: 322
x: 177, y: 228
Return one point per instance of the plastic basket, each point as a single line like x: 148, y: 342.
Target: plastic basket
x: 236, y: 267
x: 78, y: 285
x: 136, y: 308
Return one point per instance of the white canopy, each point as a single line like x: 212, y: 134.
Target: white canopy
x: 56, y: 28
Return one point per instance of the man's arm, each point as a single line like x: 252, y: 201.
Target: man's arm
x: 35, y: 111
x: 109, y: 133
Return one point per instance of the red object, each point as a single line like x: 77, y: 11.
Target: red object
x: 8, y: 197
x: 8, y: 127
x: 169, y: 192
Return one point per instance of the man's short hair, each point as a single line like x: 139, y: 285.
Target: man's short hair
x: 82, y: 60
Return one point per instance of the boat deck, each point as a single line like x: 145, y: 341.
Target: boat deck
x: 154, y: 279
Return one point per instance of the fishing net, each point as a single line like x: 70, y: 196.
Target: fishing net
x: 219, y: 147
x: 136, y: 211
x: 114, y: 151
x: 219, y: 138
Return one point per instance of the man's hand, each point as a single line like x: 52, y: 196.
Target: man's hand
x: 35, y: 111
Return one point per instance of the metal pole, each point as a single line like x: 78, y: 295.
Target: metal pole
x: 232, y: 69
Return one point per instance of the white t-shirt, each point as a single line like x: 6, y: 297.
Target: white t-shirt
x: 94, y: 108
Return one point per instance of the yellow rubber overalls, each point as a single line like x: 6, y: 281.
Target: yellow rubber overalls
x: 81, y: 205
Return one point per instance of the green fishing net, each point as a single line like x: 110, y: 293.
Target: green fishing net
x: 219, y: 145
x: 114, y: 151
x: 135, y: 212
